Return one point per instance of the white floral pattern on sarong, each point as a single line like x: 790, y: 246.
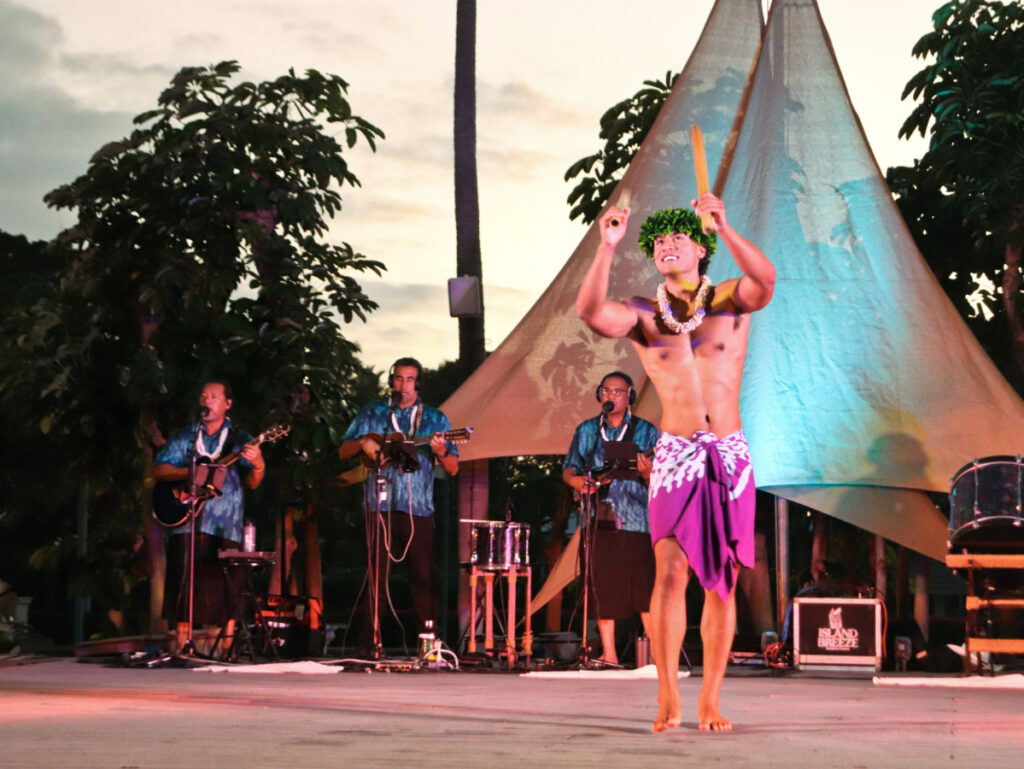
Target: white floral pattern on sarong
x: 702, y: 494
x: 681, y: 460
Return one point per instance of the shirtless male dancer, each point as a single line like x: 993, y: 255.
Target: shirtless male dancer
x: 692, y: 341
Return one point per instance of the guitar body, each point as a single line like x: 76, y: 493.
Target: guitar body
x: 168, y: 507
x: 171, y: 502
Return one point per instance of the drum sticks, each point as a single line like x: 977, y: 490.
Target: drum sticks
x: 700, y: 167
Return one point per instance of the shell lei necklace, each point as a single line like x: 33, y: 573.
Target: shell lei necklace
x: 698, y: 313
x: 622, y: 431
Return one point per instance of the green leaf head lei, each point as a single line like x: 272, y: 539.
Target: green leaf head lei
x: 671, y: 220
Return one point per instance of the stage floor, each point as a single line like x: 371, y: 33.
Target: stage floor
x: 56, y: 712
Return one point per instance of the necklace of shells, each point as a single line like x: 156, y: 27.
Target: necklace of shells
x: 669, y: 319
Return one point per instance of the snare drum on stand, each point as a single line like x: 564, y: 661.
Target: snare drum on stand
x: 499, y: 548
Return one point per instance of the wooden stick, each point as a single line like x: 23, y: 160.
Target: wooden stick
x: 624, y: 198
x: 700, y: 167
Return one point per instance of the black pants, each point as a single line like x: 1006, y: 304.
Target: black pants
x: 418, y: 561
x: 214, y: 591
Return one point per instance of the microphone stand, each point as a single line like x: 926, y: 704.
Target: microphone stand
x: 187, y: 655
x: 188, y: 649
x: 587, y: 527
x: 373, y: 555
x: 399, y: 454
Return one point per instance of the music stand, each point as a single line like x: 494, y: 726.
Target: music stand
x: 400, y: 452
x: 620, y: 461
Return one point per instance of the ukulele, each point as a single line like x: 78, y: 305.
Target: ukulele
x: 458, y: 435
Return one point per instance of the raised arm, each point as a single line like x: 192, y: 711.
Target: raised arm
x: 606, y: 317
x: 754, y: 289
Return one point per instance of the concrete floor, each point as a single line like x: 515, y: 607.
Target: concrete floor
x: 55, y: 712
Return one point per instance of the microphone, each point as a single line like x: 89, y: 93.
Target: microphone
x: 204, y: 412
x: 606, y: 407
x: 396, y: 398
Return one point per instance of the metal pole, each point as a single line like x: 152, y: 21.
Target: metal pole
x: 82, y: 603
x: 781, y: 561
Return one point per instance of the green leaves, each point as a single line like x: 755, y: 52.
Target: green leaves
x: 964, y: 199
x: 623, y: 128
x: 198, y: 251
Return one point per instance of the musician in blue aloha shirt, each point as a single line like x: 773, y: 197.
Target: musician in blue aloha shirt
x: 407, y: 506
x: 622, y: 556
x: 220, y: 519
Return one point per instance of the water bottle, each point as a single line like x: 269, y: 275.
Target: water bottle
x: 249, y: 537
x: 643, y: 651
x: 427, y: 639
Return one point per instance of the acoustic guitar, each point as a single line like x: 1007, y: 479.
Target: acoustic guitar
x: 458, y: 435
x: 172, y: 502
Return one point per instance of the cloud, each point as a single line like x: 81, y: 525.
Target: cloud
x: 48, y: 135
x: 384, y: 209
x: 515, y: 99
x: 26, y: 38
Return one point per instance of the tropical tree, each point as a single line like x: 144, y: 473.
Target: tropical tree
x: 623, y: 129
x: 37, y: 499
x: 964, y: 199
x: 199, y: 250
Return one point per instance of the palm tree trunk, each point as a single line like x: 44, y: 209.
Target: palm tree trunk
x: 473, y: 478
x: 467, y: 206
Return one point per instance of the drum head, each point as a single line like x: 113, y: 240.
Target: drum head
x: 974, y: 464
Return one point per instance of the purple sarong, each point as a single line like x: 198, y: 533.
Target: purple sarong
x: 702, y: 493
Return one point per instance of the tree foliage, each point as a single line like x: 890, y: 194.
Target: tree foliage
x: 35, y: 494
x: 623, y: 129
x: 200, y: 249
x: 964, y: 198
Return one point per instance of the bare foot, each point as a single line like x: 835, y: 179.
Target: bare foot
x: 670, y: 713
x: 710, y: 720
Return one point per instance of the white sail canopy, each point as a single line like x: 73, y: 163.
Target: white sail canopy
x: 863, y: 387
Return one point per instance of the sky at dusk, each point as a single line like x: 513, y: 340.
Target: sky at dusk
x: 74, y: 73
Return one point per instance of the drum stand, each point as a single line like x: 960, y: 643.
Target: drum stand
x: 974, y: 640
x: 511, y: 569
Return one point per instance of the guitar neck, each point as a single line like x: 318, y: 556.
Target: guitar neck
x: 234, y: 456
x: 270, y: 435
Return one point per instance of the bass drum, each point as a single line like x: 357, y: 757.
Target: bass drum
x: 985, y: 506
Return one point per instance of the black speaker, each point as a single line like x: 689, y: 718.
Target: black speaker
x: 465, y: 299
